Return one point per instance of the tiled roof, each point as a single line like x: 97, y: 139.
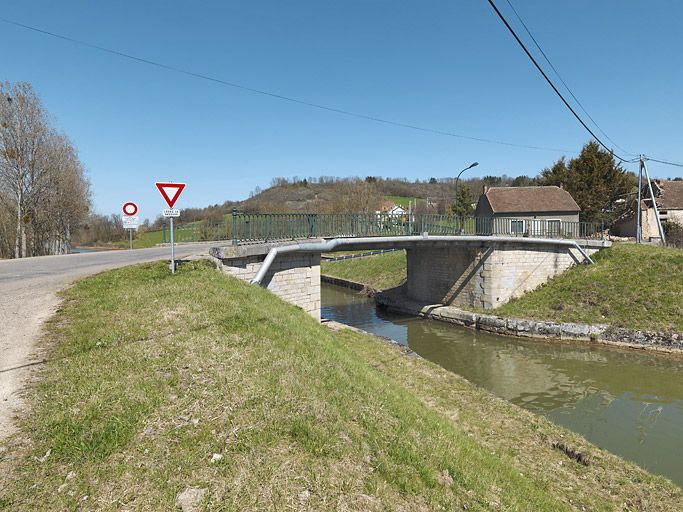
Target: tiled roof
x: 530, y: 200
x: 670, y: 196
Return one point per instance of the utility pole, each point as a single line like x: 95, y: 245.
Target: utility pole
x: 654, y: 203
x: 639, y: 212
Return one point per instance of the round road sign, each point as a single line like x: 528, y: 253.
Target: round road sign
x: 130, y: 209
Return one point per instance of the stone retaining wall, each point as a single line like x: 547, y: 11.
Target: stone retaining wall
x: 657, y: 340
x: 294, y: 277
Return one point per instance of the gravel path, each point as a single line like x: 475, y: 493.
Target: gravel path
x: 28, y: 296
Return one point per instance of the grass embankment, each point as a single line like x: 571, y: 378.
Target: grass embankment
x: 633, y: 286
x: 380, y: 272
x: 401, y: 201
x: 158, y: 383
x: 638, y: 287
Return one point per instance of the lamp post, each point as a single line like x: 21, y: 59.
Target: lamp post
x: 455, y: 202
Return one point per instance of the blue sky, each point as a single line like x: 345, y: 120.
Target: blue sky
x: 448, y: 65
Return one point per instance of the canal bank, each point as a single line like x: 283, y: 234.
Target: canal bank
x: 526, y: 328
x: 628, y: 402
x: 231, y: 393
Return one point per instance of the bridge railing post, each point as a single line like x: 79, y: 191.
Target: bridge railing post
x: 234, y: 234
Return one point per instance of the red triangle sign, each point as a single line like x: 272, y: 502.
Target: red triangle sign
x: 170, y: 192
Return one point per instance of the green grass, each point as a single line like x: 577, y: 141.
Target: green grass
x: 638, y: 287
x: 380, y: 272
x: 403, y: 201
x: 149, y: 375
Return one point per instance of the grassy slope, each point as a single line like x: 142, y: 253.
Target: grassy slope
x: 381, y: 272
x: 403, y: 201
x: 151, y: 374
x: 639, y: 287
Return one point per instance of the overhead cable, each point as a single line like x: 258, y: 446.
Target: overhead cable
x: 280, y: 96
x: 552, y: 85
x: 547, y: 59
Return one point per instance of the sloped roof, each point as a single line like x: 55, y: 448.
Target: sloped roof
x: 670, y: 195
x: 530, y: 200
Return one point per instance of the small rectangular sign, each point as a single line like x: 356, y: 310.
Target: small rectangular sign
x: 170, y: 212
x: 131, y: 221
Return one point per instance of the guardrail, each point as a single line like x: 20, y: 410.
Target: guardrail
x: 248, y: 228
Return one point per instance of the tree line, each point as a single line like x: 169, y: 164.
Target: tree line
x: 602, y: 188
x: 44, y: 192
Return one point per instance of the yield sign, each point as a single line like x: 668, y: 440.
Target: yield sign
x: 170, y: 192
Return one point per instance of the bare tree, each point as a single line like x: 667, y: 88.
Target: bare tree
x: 42, y: 181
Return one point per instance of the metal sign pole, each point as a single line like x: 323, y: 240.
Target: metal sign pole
x: 172, y: 250
x: 130, y: 234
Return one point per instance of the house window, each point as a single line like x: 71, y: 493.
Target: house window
x: 553, y: 227
x: 516, y: 227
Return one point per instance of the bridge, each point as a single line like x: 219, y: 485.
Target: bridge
x: 465, y: 262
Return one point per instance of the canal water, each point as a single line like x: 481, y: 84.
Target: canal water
x: 627, y: 402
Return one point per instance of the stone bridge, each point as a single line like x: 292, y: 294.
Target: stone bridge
x: 464, y: 271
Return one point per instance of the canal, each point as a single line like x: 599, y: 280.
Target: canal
x: 627, y: 402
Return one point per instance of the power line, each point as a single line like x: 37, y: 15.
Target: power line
x: 665, y: 162
x: 279, y: 96
x: 552, y: 85
x: 547, y: 59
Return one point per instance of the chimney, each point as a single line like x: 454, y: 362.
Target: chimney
x: 486, y: 189
x: 562, y: 185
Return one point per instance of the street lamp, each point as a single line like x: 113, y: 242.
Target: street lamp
x: 455, y: 202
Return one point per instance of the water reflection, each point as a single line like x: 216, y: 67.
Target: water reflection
x: 630, y: 403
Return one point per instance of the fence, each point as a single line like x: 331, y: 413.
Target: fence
x: 246, y: 228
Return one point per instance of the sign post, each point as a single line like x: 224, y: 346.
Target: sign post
x: 171, y: 192
x: 130, y: 221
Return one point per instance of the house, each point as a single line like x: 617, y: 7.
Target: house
x: 669, y: 197
x: 387, y: 207
x: 537, y: 211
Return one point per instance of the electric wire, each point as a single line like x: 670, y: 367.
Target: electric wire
x: 357, y: 114
x: 547, y: 59
x: 550, y: 82
x: 279, y: 96
x: 665, y: 162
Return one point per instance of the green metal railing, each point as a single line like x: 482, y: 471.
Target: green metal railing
x: 246, y: 228
x: 509, y: 226
x: 265, y: 227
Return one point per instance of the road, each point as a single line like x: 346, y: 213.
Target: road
x: 28, y: 296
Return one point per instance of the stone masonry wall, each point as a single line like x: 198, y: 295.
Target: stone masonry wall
x: 483, y: 277
x: 445, y: 275
x: 294, y: 277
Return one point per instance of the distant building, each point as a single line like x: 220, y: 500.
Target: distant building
x: 536, y: 211
x: 391, y: 209
x: 669, y: 197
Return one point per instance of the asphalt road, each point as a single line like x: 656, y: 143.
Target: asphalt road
x: 28, y: 296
